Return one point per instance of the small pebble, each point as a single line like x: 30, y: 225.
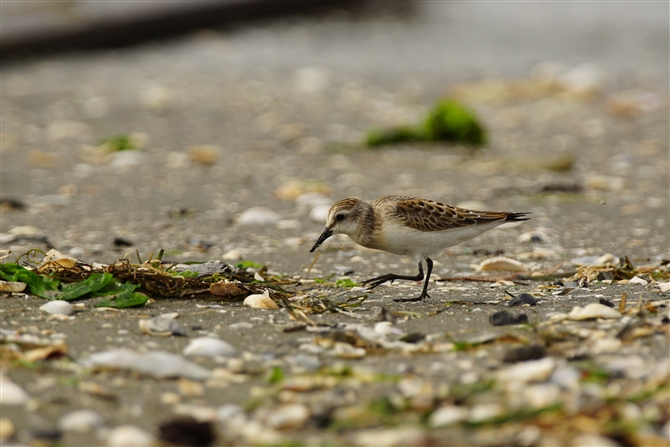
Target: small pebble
x: 12, y: 394
x: 503, y: 318
x: 523, y: 353
x: 593, y: 310
x: 523, y: 298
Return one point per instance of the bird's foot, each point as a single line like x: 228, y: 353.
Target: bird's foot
x: 411, y: 300
x: 378, y: 280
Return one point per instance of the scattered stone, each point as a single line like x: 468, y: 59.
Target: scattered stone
x: 190, y: 388
x: 503, y: 318
x: 591, y: 440
x: 347, y: 351
x: 209, y: 347
x: 534, y: 237
x: 592, y: 311
x: 258, y: 215
x: 483, y: 412
x: 523, y: 298
x: 81, y: 421
x: 232, y: 255
x: 605, y: 302
x: 207, y: 154
x: 319, y: 213
x: 187, y: 431
x: 596, y: 261
x: 524, y: 353
x: 129, y: 436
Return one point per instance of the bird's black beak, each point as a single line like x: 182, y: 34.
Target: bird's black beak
x: 325, y: 235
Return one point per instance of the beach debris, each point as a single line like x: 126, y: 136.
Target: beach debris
x: 261, y: 301
x: 209, y: 347
x: 58, y: 307
x: 500, y: 263
x: 503, y: 318
x: 593, y: 311
x: 158, y: 364
x: 162, y: 325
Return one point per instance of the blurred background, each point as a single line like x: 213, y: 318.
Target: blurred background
x: 216, y: 129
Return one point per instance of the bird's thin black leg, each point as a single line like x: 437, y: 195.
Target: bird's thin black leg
x: 424, y: 292
x: 374, y: 282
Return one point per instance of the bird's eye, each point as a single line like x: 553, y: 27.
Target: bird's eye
x: 339, y: 217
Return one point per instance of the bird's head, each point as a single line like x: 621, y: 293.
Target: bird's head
x: 343, y: 217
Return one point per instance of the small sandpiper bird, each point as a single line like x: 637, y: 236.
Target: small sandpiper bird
x: 409, y: 226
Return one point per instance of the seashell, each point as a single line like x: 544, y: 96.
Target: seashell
x: 319, y: 213
x: 665, y: 286
x: 206, y: 154
x: 7, y: 429
x: 501, y: 263
x: 232, y: 255
x: 81, y: 421
x: 158, y: 364
x: 347, y: 351
x: 162, y: 326
x: 258, y: 216
x: 596, y: 261
x: 209, y: 347
x: 129, y: 436
x: 263, y: 301
x: 530, y: 371
x: 540, y: 395
x: 534, y: 236
x: 638, y: 280
x: 58, y: 307
x: 12, y: 286
x: 12, y: 394
x: 482, y: 412
x: 190, y: 388
x: 593, y: 310
x: 448, y: 415
x: 56, y: 260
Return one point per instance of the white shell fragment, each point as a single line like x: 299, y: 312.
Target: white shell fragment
x: 319, y: 213
x: 258, y: 301
x: 501, y: 263
x: 638, y: 280
x: 12, y: 286
x: 159, y: 364
x: 288, y: 416
x: 448, y: 415
x: 12, y: 394
x: 593, y: 310
x: 57, y: 307
x: 347, y: 351
x: 162, y: 326
x: 129, y: 436
x: 80, y: 421
x: 209, y: 347
x: 530, y: 371
x: 258, y: 216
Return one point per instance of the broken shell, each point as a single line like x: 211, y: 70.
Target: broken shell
x: 261, y: 301
x: 593, y: 310
x: 58, y: 307
x: 209, y: 347
x: 501, y: 263
x: 129, y: 435
x: 448, y: 415
x: 288, y: 416
x: 347, y: 351
x: 159, y: 364
x: 12, y: 286
x: 56, y: 260
x: 530, y: 371
x: 162, y: 325
x: 258, y: 216
x: 638, y: 280
x: 81, y: 421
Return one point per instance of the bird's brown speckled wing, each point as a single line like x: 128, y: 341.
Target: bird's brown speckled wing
x: 428, y: 215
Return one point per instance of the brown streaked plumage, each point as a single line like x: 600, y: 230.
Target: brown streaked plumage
x: 409, y: 226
